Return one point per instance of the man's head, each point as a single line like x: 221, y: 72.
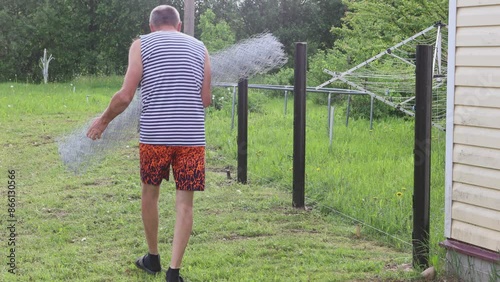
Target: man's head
x: 164, y: 16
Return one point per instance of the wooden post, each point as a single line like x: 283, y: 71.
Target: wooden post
x: 189, y: 17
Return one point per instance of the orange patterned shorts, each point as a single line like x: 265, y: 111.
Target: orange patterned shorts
x: 188, y: 165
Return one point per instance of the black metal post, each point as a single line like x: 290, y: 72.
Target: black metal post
x: 422, y: 156
x: 242, y: 130
x: 299, y: 125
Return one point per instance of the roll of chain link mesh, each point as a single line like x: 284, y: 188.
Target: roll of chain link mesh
x: 256, y: 55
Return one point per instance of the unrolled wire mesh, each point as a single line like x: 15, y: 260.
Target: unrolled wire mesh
x: 77, y: 151
x: 256, y: 55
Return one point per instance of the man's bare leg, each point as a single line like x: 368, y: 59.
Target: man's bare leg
x: 183, y: 226
x: 150, y: 196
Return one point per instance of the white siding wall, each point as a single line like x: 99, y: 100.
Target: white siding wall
x: 475, y: 207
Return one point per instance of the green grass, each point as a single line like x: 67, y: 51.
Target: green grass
x: 88, y: 227
x: 366, y: 174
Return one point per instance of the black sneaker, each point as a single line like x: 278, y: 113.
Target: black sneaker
x: 140, y: 263
x: 173, y: 277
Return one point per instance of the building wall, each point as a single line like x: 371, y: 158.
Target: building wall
x: 475, y: 154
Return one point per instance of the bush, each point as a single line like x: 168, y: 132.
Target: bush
x: 283, y: 77
x: 222, y: 97
x: 256, y: 100
x: 360, y: 108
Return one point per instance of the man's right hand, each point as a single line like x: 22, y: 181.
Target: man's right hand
x: 96, y: 129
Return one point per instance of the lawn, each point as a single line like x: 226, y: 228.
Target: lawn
x: 87, y: 227
x: 366, y: 173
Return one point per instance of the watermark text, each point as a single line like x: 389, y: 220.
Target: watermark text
x: 11, y: 221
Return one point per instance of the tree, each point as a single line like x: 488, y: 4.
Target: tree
x: 293, y: 21
x: 328, y: 14
x: 215, y: 35
x: 120, y: 22
x: 86, y: 36
x: 89, y: 37
x: 16, y: 31
x: 226, y: 10
x: 371, y: 25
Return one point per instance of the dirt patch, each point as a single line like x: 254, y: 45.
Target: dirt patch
x: 57, y: 213
x: 392, y: 266
x: 235, y: 237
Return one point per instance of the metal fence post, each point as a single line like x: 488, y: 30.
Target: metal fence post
x: 422, y: 156
x: 299, y: 128
x: 242, y: 130
x: 330, y: 128
x: 329, y: 105
x: 348, y: 110
x: 371, y: 112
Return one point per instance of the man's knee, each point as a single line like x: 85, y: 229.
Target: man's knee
x: 184, y: 209
x: 150, y: 192
x: 150, y: 199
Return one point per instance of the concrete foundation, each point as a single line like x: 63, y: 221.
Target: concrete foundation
x: 470, y: 264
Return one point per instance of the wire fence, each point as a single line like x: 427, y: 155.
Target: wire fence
x: 330, y: 204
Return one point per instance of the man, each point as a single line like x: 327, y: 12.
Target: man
x: 174, y: 72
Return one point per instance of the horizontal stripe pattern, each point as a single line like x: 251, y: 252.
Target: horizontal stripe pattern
x: 172, y: 109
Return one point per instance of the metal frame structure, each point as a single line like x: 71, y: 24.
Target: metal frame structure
x: 287, y: 88
x: 437, y: 56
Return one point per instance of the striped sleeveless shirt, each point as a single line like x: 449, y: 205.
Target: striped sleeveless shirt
x: 172, y: 110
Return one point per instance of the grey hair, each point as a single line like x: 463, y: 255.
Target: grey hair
x: 164, y: 15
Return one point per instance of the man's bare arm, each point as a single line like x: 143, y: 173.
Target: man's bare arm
x: 124, y: 96
x: 206, y: 94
